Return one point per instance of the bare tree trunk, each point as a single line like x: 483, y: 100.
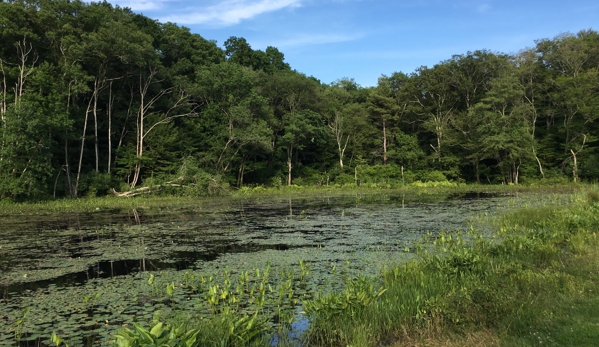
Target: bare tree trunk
x: 23, y: 51
x: 439, y: 135
x: 240, y: 174
x: 336, y: 127
x: 3, y: 107
x: 87, y: 111
x: 342, y: 151
x: 533, y: 122
x: 574, y: 167
x: 144, y: 112
x: 124, y: 129
x: 109, y: 114
x: 534, y: 152
x: 574, y: 156
x: 67, y: 166
x: 72, y: 194
x: 4, y: 90
x: 95, y: 113
x: 289, y: 153
x: 384, y: 143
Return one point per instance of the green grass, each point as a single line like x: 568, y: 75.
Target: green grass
x: 535, y: 284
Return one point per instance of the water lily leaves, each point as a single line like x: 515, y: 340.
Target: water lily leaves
x: 177, y: 263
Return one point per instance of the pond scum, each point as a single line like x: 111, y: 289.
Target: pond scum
x: 534, y: 282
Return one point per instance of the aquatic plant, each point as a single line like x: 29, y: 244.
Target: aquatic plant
x: 159, y: 335
x: 17, y: 326
x: 322, y: 255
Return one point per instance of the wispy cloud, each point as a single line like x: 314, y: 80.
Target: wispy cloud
x: 483, y: 8
x: 230, y: 12
x: 140, y: 5
x: 478, y: 6
x: 317, y: 39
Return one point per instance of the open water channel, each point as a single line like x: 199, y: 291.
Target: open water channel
x: 88, y: 273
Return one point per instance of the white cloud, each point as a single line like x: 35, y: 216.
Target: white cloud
x: 140, y: 5
x: 317, y: 39
x: 479, y: 6
x: 230, y: 12
x: 482, y: 8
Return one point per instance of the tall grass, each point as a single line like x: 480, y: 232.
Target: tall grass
x: 522, y: 287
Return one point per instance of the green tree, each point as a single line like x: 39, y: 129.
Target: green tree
x: 572, y: 61
x: 502, y: 118
x: 237, y: 115
x: 384, y: 111
x: 300, y: 128
x: 435, y: 101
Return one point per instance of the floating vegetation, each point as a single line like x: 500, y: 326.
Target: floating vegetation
x: 79, y: 280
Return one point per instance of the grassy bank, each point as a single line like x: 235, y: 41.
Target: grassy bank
x: 535, y: 283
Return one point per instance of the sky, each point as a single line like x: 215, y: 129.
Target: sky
x: 364, y: 39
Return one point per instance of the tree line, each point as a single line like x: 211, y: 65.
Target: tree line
x: 94, y: 97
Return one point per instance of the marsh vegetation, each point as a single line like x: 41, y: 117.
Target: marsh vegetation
x: 246, y: 271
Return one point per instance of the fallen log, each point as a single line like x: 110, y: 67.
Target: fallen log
x: 145, y: 190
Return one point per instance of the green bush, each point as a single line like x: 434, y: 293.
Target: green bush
x: 197, y: 182
x: 276, y: 181
x: 344, y: 178
x: 380, y: 174
x: 95, y: 184
x: 434, y: 176
x: 445, y: 184
x: 310, y: 176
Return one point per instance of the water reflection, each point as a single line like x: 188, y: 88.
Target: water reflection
x: 72, y: 248
x: 51, y: 268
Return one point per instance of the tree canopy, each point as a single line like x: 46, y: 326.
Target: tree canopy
x: 94, y: 97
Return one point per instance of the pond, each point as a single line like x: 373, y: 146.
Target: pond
x: 87, y: 275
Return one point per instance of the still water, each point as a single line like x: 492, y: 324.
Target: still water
x: 54, y: 264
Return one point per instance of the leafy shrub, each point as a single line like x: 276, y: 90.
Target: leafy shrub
x: 292, y: 187
x: 589, y: 168
x: 553, y: 177
x: 197, y: 182
x: 445, y: 184
x: 344, y: 178
x: 95, y: 184
x: 380, y: 174
x: 276, y: 181
x: 434, y: 176
x: 310, y: 176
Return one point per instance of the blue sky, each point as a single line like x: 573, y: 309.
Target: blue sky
x: 362, y: 39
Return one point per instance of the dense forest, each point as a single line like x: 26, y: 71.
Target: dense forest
x: 95, y: 97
